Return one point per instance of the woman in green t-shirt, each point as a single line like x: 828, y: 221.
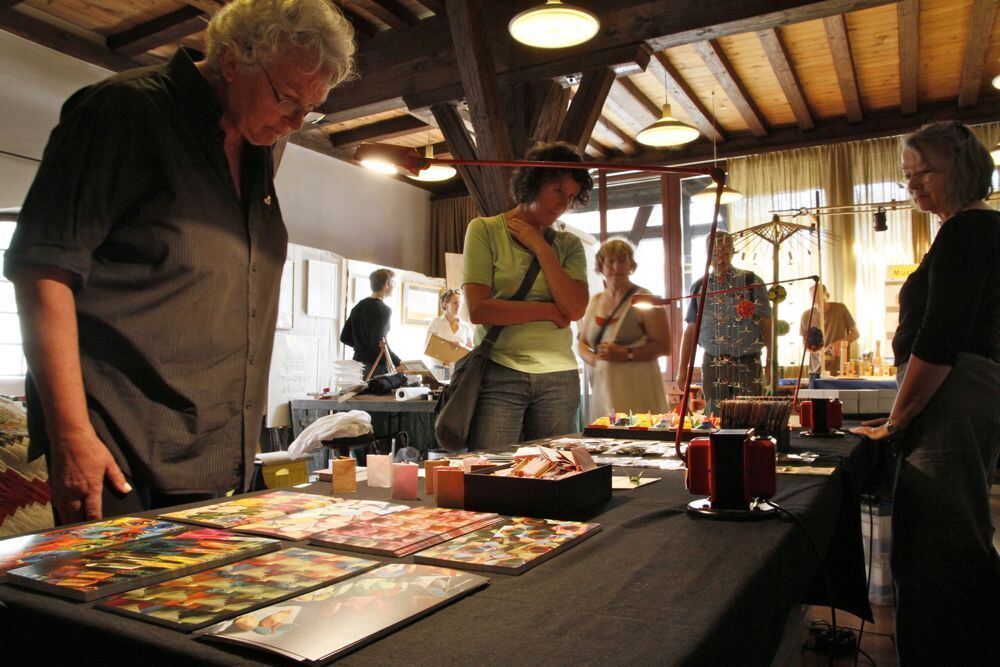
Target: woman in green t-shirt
x: 531, y: 386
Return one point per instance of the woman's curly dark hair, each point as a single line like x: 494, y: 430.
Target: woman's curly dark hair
x: 526, y: 181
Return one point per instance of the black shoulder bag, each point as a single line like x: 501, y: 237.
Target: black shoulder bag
x: 457, y: 405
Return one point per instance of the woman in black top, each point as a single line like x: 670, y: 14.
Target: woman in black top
x: 946, y: 417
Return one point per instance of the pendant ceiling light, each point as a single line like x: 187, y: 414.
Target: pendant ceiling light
x: 554, y: 25
x: 708, y: 194
x: 996, y: 81
x: 435, y: 172
x: 667, y: 131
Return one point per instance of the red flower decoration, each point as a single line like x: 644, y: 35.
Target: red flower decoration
x: 745, y: 309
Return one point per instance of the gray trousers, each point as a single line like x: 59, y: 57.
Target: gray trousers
x: 945, y: 569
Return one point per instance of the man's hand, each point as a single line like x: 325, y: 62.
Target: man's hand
x: 527, y: 235
x: 79, y: 466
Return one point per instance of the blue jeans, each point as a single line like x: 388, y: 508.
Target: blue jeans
x: 513, y: 407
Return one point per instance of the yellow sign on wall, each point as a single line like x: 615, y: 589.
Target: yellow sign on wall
x: 900, y: 271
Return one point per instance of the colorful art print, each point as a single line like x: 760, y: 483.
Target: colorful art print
x: 62, y: 542
x: 97, y: 574
x: 404, y: 533
x: 301, y: 525
x: 250, y: 509
x: 195, y: 601
x: 511, y: 546
x: 335, y: 620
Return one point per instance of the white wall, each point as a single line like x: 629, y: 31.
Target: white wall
x: 327, y: 203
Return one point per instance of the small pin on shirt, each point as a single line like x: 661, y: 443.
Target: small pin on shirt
x: 267, y: 200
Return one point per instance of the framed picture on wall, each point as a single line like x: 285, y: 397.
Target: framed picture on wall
x: 358, y: 287
x: 321, y: 289
x: 286, y: 297
x: 420, y: 303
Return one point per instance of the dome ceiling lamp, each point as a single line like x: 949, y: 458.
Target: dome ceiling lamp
x: 434, y: 172
x: 554, y: 25
x: 667, y: 131
x: 707, y: 195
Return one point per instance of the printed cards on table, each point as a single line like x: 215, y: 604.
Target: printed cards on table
x: 97, y: 574
x: 233, y: 513
x: 511, y: 546
x: 195, y: 601
x: 403, y: 533
x: 335, y: 620
x: 301, y: 525
x: 61, y: 542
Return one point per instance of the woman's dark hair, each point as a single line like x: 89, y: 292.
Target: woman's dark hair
x: 526, y: 181
x: 952, y: 147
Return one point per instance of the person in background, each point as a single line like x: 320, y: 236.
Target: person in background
x: 531, y: 386
x: 368, y: 325
x: 147, y: 260
x: 623, y: 344
x: 451, y: 327
x: 945, y: 422
x: 839, y: 331
x: 735, y: 328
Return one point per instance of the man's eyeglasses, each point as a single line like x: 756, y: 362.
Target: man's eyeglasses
x: 920, y: 176
x: 286, y: 106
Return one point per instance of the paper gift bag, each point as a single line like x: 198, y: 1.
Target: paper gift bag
x: 380, y: 470
x: 449, y: 487
x: 344, y: 475
x: 429, y: 473
x: 404, y: 481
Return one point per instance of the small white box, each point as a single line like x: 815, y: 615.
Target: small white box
x: 850, y: 406
x: 885, y: 405
x: 868, y: 402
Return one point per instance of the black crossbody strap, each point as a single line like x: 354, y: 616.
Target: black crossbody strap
x: 611, y: 317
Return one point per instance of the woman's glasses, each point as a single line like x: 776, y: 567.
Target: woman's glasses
x: 286, y: 106
x: 920, y: 177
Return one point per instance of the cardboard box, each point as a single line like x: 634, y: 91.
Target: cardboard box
x: 564, y: 498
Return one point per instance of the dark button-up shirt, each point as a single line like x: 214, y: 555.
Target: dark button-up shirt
x: 368, y: 324
x: 175, y: 274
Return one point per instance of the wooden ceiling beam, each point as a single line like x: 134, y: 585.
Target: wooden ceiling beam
x: 154, y: 33
x: 400, y: 64
x: 980, y: 27
x: 781, y: 65
x: 585, y: 108
x: 471, y: 39
x: 63, y: 41
x: 436, y: 6
x: 908, y: 15
x: 390, y: 12
x: 681, y: 93
x: 534, y: 113
x: 632, y: 111
x: 626, y: 143
x: 7, y: 4
x: 380, y: 131
x: 715, y: 59
x: 210, y: 7
x: 886, y: 123
x: 461, y: 147
x: 843, y: 64
x: 364, y: 26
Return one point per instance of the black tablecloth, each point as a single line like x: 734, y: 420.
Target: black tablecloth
x: 656, y: 585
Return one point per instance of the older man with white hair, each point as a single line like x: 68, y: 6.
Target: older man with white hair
x: 147, y: 259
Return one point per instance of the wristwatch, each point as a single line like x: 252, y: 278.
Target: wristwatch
x: 631, y: 355
x: 891, y: 428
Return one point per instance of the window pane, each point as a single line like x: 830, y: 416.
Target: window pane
x: 10, y: 330
x: 11, y: 361
x: 7, y: 302
x: 6, y: 230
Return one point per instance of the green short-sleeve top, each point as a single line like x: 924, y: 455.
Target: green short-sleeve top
x: 492, y: 258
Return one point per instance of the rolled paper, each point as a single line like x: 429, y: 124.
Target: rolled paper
x: 345, y: 475
x: 404, y: 481
x: 380, y: 470
x: 429, y: 473
x: 449, y: 487
x: 411, y: 393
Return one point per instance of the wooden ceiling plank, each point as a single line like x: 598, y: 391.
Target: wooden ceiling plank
x: 980, y: 27
x: 154, y: 33
x: 680, y: 92
x: 908, y: 15
x: 471, y: 38
x: 843, y: 64
x: 65, y: 42
x: 781, y: 65
x: 461, y: 147
x: 436, y: 6
x: 390, y: 12
x: 389, y: 104
x: 210, y: 7
x: 361, y: 20
x: 399, y: 64
x: 380, y: 131
x: 717, y: 62
x: 623, y: 104
x: 626, y: 143
x: 586, y: 106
